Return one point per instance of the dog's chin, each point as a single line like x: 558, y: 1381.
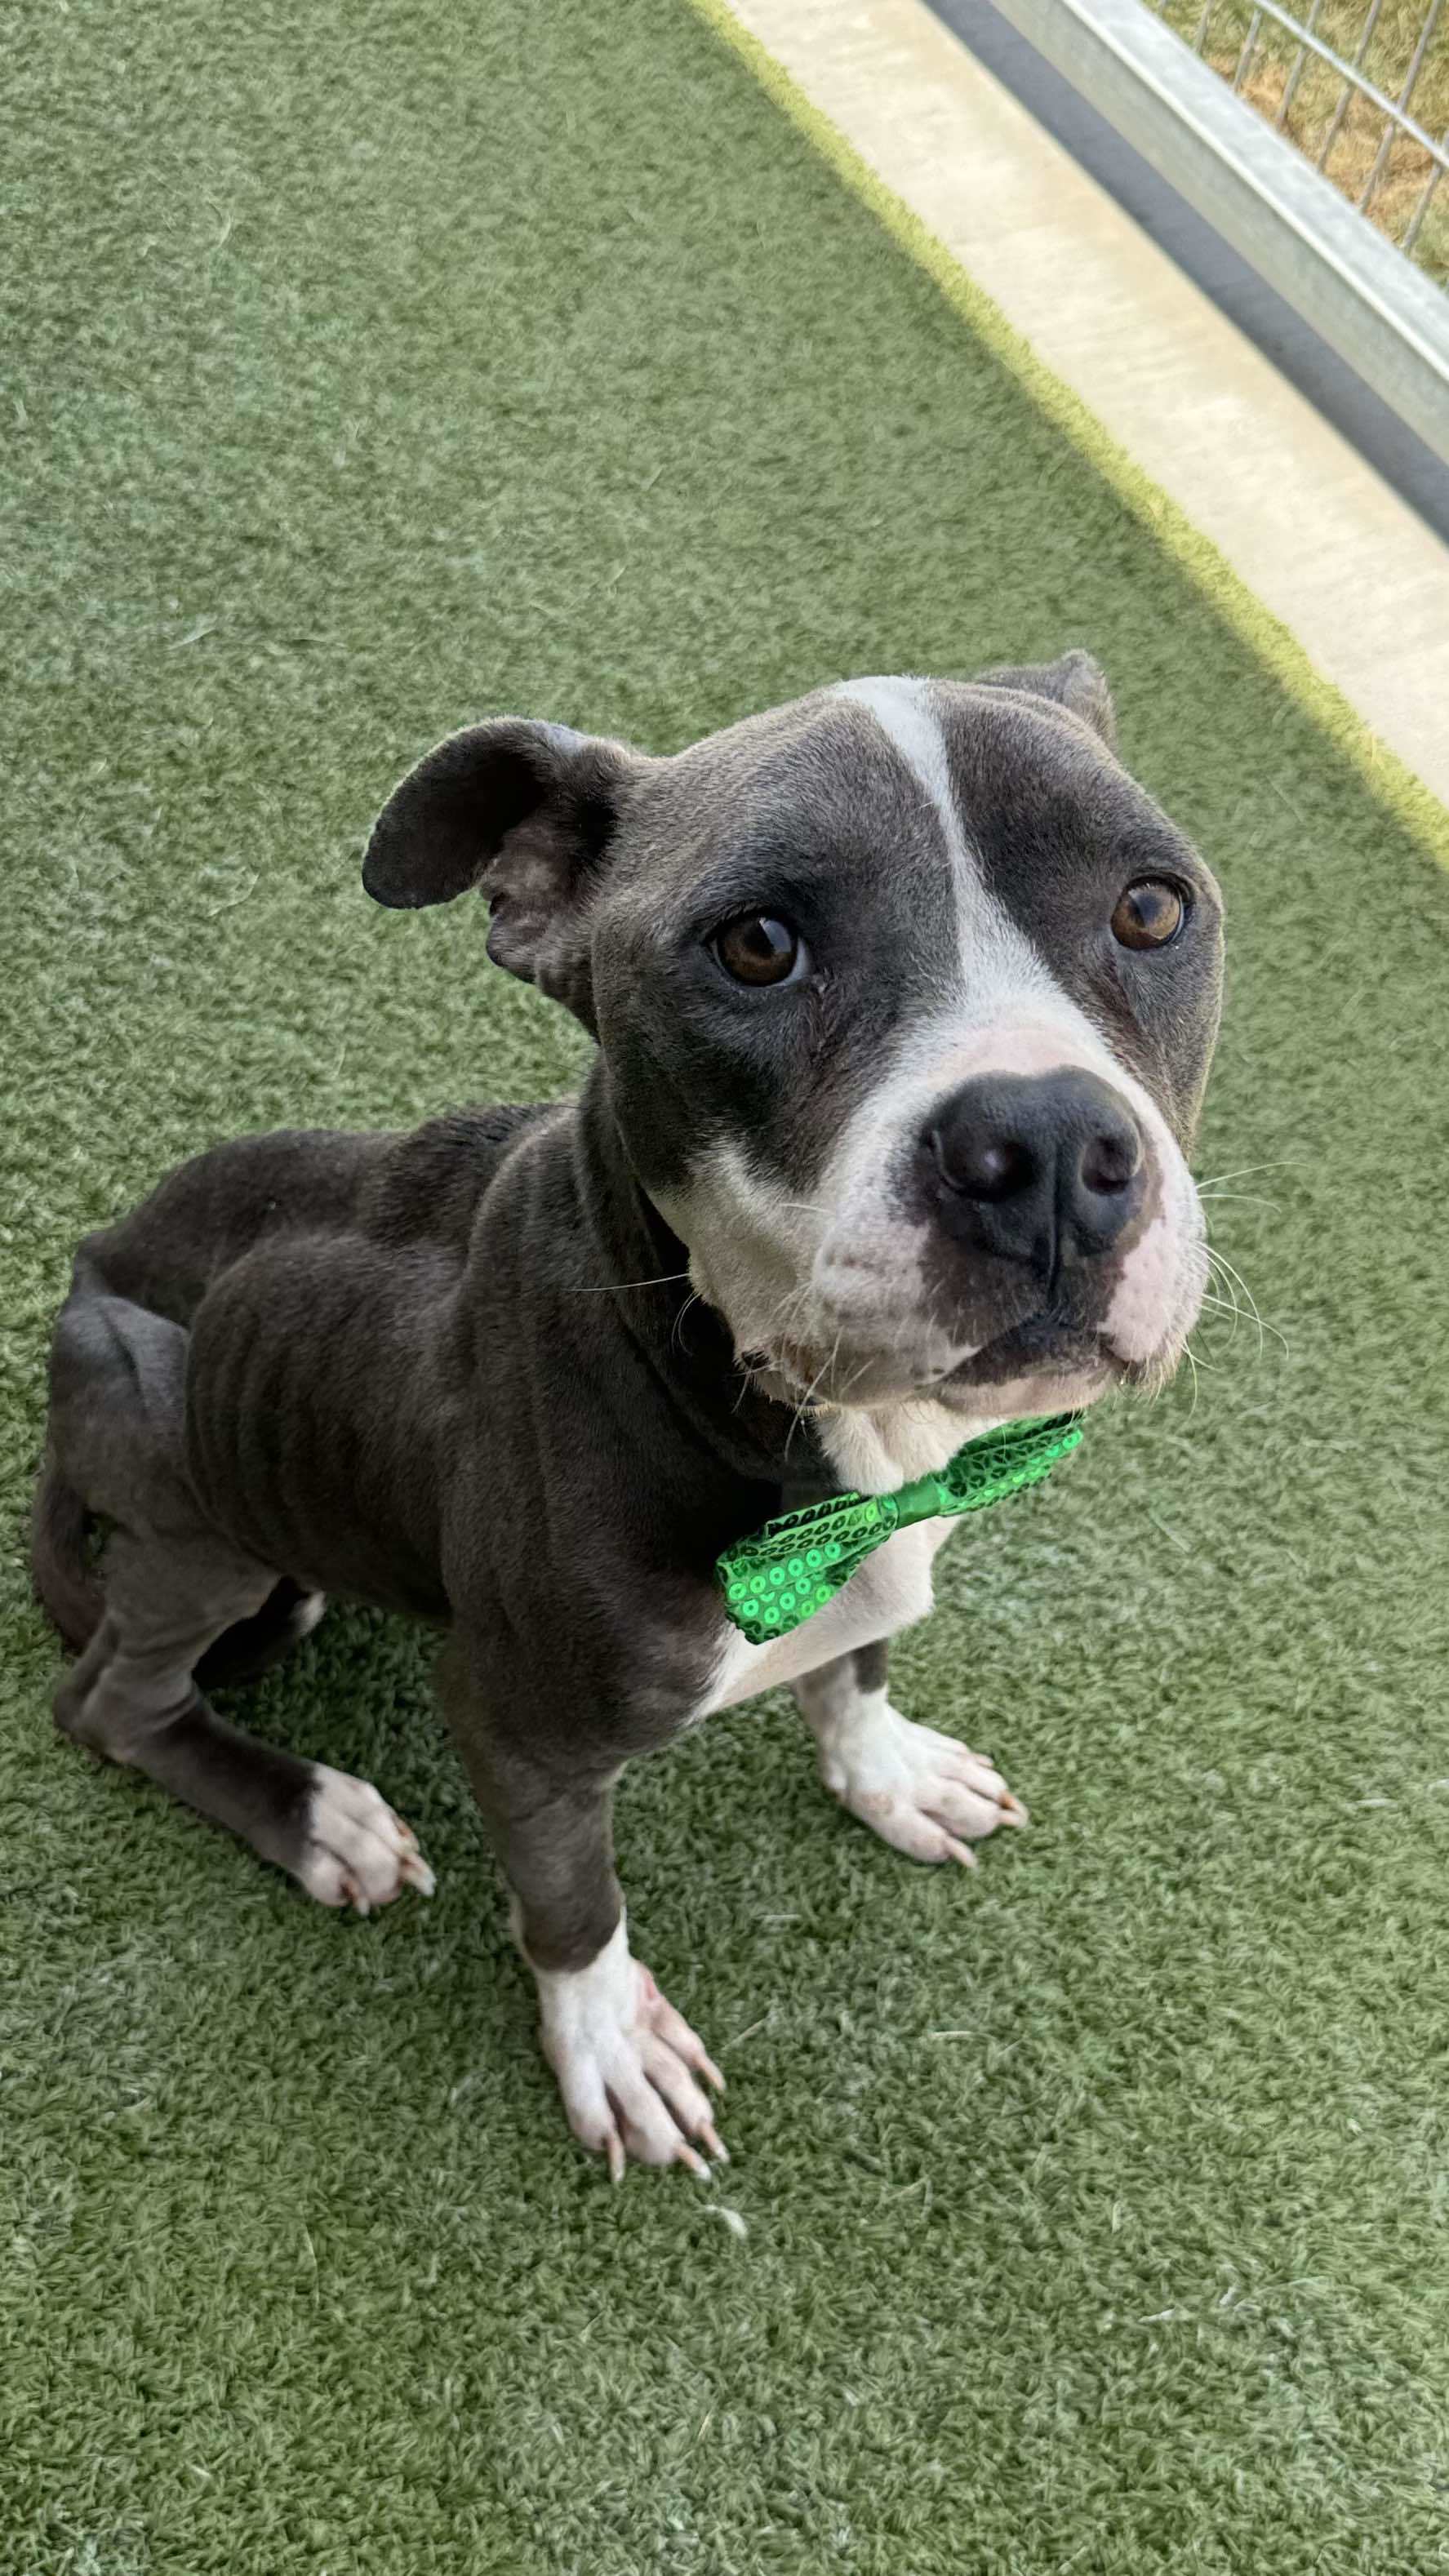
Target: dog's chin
x: 1021, y: 1371
x: 1044, y: 1365
x: 1047, y: 1365
x: 1045, y: 1347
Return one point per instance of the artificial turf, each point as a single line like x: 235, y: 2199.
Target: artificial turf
x: 373, y: 366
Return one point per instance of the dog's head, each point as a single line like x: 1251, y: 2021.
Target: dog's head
x: 906, y: 994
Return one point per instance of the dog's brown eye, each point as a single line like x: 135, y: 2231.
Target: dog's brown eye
x: 1148, y: 914
x: 758, y: 949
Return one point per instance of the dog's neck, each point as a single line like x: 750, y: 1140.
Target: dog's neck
x: 687, y: 1344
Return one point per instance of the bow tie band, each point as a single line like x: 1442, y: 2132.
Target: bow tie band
x: 789, y: 1569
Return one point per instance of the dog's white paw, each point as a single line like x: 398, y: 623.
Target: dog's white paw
x: 357, y: 1852
x: 921, y: 1791
x: 627, y: 2064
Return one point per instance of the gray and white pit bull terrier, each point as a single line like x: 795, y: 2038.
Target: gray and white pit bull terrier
x: 904, y: 996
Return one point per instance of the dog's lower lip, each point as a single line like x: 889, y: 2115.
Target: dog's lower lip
x: 1046, y: 1342
x: 833, y: 1378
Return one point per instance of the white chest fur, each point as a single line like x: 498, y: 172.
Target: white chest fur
x: 891, y: 1590
x: 871, y: 1453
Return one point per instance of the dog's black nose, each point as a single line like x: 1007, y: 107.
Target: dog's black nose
x: 1043, y: 1168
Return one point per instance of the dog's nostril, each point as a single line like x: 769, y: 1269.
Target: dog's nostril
x: 998, y: 1169
x: 985, y: 1167
x: 1110, y: 1163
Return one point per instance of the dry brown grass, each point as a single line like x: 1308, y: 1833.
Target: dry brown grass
x: 1317, y: 92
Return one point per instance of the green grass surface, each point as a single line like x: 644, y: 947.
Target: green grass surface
x: 380, y: 365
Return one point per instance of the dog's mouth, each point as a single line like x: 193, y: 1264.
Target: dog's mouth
x: 1075, y: 1359
x: 1047, y: 1344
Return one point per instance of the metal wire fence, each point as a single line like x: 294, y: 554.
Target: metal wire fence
x: 1360, y: 86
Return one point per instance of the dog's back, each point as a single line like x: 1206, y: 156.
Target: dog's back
x: 155, y: 1266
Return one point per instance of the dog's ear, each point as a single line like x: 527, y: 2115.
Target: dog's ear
x: 524, y: 812
x: 1075, y: 682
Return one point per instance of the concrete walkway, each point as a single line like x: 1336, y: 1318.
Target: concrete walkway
x: 1357, y: 578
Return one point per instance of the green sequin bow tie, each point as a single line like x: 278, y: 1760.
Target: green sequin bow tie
x: 794, y: 1565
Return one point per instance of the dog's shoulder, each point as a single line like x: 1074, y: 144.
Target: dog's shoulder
x: 428, y: 1184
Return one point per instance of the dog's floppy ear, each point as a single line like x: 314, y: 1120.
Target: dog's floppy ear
x: 524, y: 812
x: 1075, y: 682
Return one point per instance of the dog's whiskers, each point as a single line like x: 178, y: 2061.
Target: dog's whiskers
x: 856, y: 1374
x: 1232, y: 1279
x: 791, y: 1305
x: 1225, y: 1306
x: 692, y: 1299
x: 1230, y: 1305
x: 617, y: 1287
x: 1248, y: 1172
x: 823, y: 1371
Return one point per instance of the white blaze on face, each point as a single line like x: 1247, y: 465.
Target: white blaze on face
x: 833, y: 1284
x: 1000, y: 971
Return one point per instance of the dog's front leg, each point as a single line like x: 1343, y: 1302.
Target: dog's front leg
x: 919, y: 1790
x: 631, y: 2071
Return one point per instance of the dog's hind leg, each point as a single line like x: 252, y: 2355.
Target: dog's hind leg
x: 108, y: 1356
x: 68, y: 1582
x: 254, y: 1645
x: 170, y: 1587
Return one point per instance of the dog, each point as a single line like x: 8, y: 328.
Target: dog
x: 904, y: 997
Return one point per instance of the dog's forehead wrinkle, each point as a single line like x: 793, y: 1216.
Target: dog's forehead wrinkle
x: 751, y: 769
x: 994, y: 955
x: 904, y: 710
x: 768, y: 804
